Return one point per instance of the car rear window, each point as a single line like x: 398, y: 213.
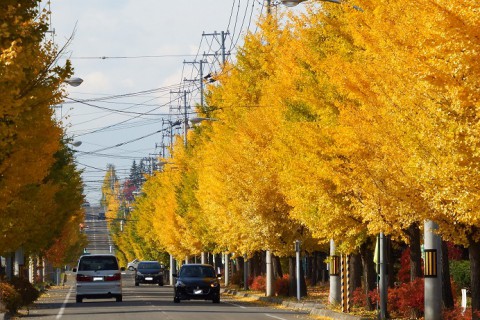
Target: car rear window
x: 148, y: 265
x: 95, y: 263
x: 197, y: 272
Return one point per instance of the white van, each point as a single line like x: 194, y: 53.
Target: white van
x: 98, y: 276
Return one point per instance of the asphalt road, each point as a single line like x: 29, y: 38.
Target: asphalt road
x: 145, y: 301
x: 96, y: 230
x: 149, y: 302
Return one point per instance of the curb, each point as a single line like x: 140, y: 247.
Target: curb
x: 314, y: 308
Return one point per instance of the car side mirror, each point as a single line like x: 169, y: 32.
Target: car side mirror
x: 74, y: 270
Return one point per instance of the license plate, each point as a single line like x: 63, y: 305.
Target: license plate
x: 97, y: 278
x: 198, y: 291
x: 148, y: 278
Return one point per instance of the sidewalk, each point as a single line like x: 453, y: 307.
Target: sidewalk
x: 314, y: 308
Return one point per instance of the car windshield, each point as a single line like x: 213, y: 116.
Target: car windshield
x: 95, y: 263
x: 197, y: 272
x: 148, y: 265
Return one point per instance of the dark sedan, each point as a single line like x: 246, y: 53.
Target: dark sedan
x: 149, y: 272
x: 197, y: 281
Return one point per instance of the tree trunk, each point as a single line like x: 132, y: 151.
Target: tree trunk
x: 314, y: 269
x: 277, y: 267
x: 322, y: 267
x: 474, y: 256
x: 218, y: 262
x: 309, y: 272
x: 369, y: 273
x: 415, y: 252
x: 292, y: 287
x: 415, y: 259
x: 303, y: 283
x: 447, y: 295
x: 240, y: 266
x: 390, y: 263
x: 356, y: 273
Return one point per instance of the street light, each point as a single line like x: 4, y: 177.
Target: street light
x: 293, y: 3
x: 200, y: 119
x: 74, y: 82
x: 76, y: 143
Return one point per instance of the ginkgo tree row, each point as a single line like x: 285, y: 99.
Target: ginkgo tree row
x: 40, y: 188
x: 338, y: 124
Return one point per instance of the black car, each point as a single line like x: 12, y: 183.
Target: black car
x: 197, y: 281
x: 149, y: 272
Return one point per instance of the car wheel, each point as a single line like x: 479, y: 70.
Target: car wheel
x: 216, y: 300
x: 176, y: 300
x: 79, y: 299
x: 137, y: 284
x: 131, y: 268
x: 160, y: 283
x: 119, y: 298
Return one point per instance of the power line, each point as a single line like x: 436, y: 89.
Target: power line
x: 134, y: 57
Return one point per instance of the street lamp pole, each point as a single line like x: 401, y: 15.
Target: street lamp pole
x: 297, y: 253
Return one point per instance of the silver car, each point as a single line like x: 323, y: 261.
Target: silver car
x: 98, y: 276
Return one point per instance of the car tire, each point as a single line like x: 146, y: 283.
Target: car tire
x: 176, y: 300
x: 79, y: 299
x: 160, y: 283
x: 119, y: 298
x: 216, y: 300
x: 137, y: 284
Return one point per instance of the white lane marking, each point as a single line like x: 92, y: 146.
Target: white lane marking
x: 275, y: 317
x: 236, y: 305
x: 62, y: 309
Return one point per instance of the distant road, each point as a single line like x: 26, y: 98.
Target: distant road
x: 97, y: 233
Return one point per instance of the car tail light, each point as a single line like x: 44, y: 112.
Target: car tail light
x: 84, y: 278
x: 115, y: 277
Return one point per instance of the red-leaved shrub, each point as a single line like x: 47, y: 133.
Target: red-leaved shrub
x: 404, y: 271
x: 259, y: 284
x: 456, y: 314
x: 359, y: 297
x: 281, y: 285
x: 404, y: 299
x: 10, y: 297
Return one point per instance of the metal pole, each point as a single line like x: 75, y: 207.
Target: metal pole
x: 335, y: 292
x: 432, y: 271
x: 223, y: 48
x: 268, y: 258
x: 172, y: 269
x: 201, y: 84
x: 383, y: 277
x: 227, y: 269
x: 297, y: 252
x: 185, y: 118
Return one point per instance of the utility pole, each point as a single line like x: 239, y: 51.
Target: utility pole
x: 185, y: 118
x: 185, y: 115
x: 432, y: 271
x: 222, y: 36
x: 200, y: 71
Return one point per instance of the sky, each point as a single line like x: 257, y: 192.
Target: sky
x: 134, y: 57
